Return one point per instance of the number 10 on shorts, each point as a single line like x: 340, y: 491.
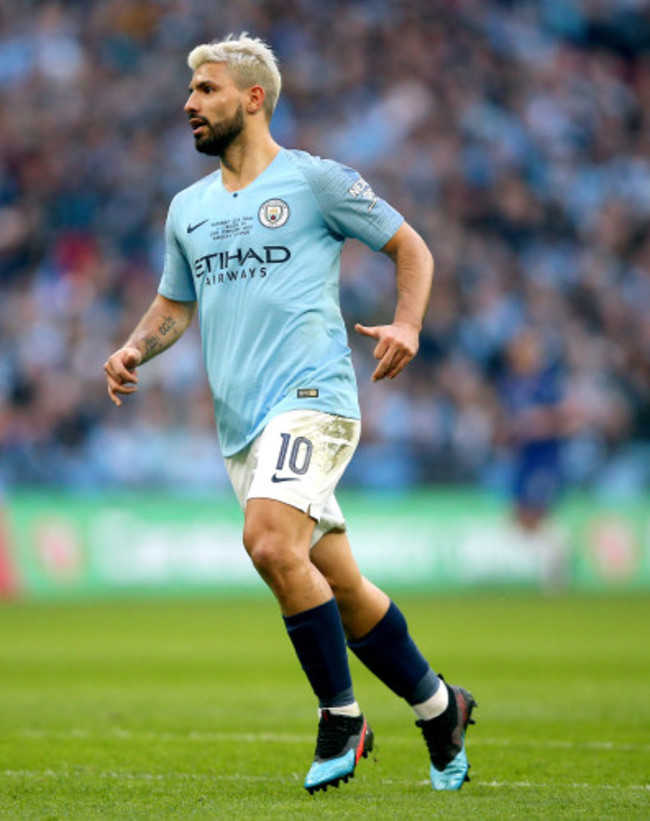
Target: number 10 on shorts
x: 299, y: 452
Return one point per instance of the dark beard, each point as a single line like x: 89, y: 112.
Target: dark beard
x: 221, y: 135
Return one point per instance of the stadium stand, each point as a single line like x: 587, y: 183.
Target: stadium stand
x: 514, y: 135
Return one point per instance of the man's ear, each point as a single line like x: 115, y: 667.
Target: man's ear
x: 256, y: 97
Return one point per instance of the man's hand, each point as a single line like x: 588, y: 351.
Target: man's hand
x: 120, y: 373
x: 396, y: 345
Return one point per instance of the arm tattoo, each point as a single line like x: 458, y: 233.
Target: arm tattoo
x: 152, y: 345
x: 168, y: 324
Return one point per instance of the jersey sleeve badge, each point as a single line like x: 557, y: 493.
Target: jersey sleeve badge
x: 362, y: 190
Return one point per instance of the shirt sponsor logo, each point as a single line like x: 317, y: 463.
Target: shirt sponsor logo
x: 244, y: 263
x: 273, y: 213
x: 307, y: 393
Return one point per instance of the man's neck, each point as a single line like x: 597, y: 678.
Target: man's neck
x: 245, y: 160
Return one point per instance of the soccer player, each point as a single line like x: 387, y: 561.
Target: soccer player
x: 538, y: 416
x: 255, y: 248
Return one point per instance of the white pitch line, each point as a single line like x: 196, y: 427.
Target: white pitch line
x: 546, y: 786
x: 125, y: 776
x: 280, y: 738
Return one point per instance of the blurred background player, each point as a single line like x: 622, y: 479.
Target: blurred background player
x: 255, y: 248
x: 538, y: 415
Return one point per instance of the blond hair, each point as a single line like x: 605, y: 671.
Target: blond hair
x: 249, y: 60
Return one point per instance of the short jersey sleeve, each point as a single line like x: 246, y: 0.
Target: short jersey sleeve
x: 176, y: 282
x: 347, y: 202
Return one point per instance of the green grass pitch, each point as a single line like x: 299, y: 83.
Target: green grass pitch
x: 182, y: 709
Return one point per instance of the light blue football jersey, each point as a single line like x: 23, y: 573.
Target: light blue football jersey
x: 263, y: 264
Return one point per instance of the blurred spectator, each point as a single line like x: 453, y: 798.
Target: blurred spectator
x: 514, y: 136
x: 537, y: 416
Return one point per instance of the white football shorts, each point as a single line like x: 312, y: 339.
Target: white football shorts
x: 298, y: 459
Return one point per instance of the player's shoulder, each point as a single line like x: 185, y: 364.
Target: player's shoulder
x: 303, y: 159
x: 318, y: 171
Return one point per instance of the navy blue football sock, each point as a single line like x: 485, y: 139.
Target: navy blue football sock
x: 319, y: 642
x: 390, y: 653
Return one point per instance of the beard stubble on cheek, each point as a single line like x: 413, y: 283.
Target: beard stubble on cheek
x: 220, y: 135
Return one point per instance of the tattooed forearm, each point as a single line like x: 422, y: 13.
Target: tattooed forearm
x: 168, y: 324
x: 162, y: 325
x: 152, y: 346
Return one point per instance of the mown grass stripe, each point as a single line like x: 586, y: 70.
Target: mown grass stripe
x: 288, y: 738
x: 267, y: 778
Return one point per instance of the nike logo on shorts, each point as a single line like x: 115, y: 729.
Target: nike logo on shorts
x: 191, y: 228
x: 275, y: 478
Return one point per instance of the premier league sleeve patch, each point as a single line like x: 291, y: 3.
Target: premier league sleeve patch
x: 273, y: 213
x: 362, y: 190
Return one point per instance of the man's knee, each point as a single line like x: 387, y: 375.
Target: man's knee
x: 267, y: 550
x: 273, y: 546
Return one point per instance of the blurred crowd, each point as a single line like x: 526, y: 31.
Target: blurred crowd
x: 513, y: 134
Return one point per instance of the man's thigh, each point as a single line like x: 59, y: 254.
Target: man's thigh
x: 283, y: 526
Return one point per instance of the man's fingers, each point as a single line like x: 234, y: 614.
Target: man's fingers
x: 393, y: 363
x: 121, y: 375
x: 398, y: 364
x: 120, y: 372
x: 114, y: 389
x: 365, y: 330
x: 386, y: 364
x: 394, y: 348
x: 111, y: 386
x: 382, y: 349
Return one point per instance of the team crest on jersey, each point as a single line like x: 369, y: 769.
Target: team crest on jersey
x: 273, y: 213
